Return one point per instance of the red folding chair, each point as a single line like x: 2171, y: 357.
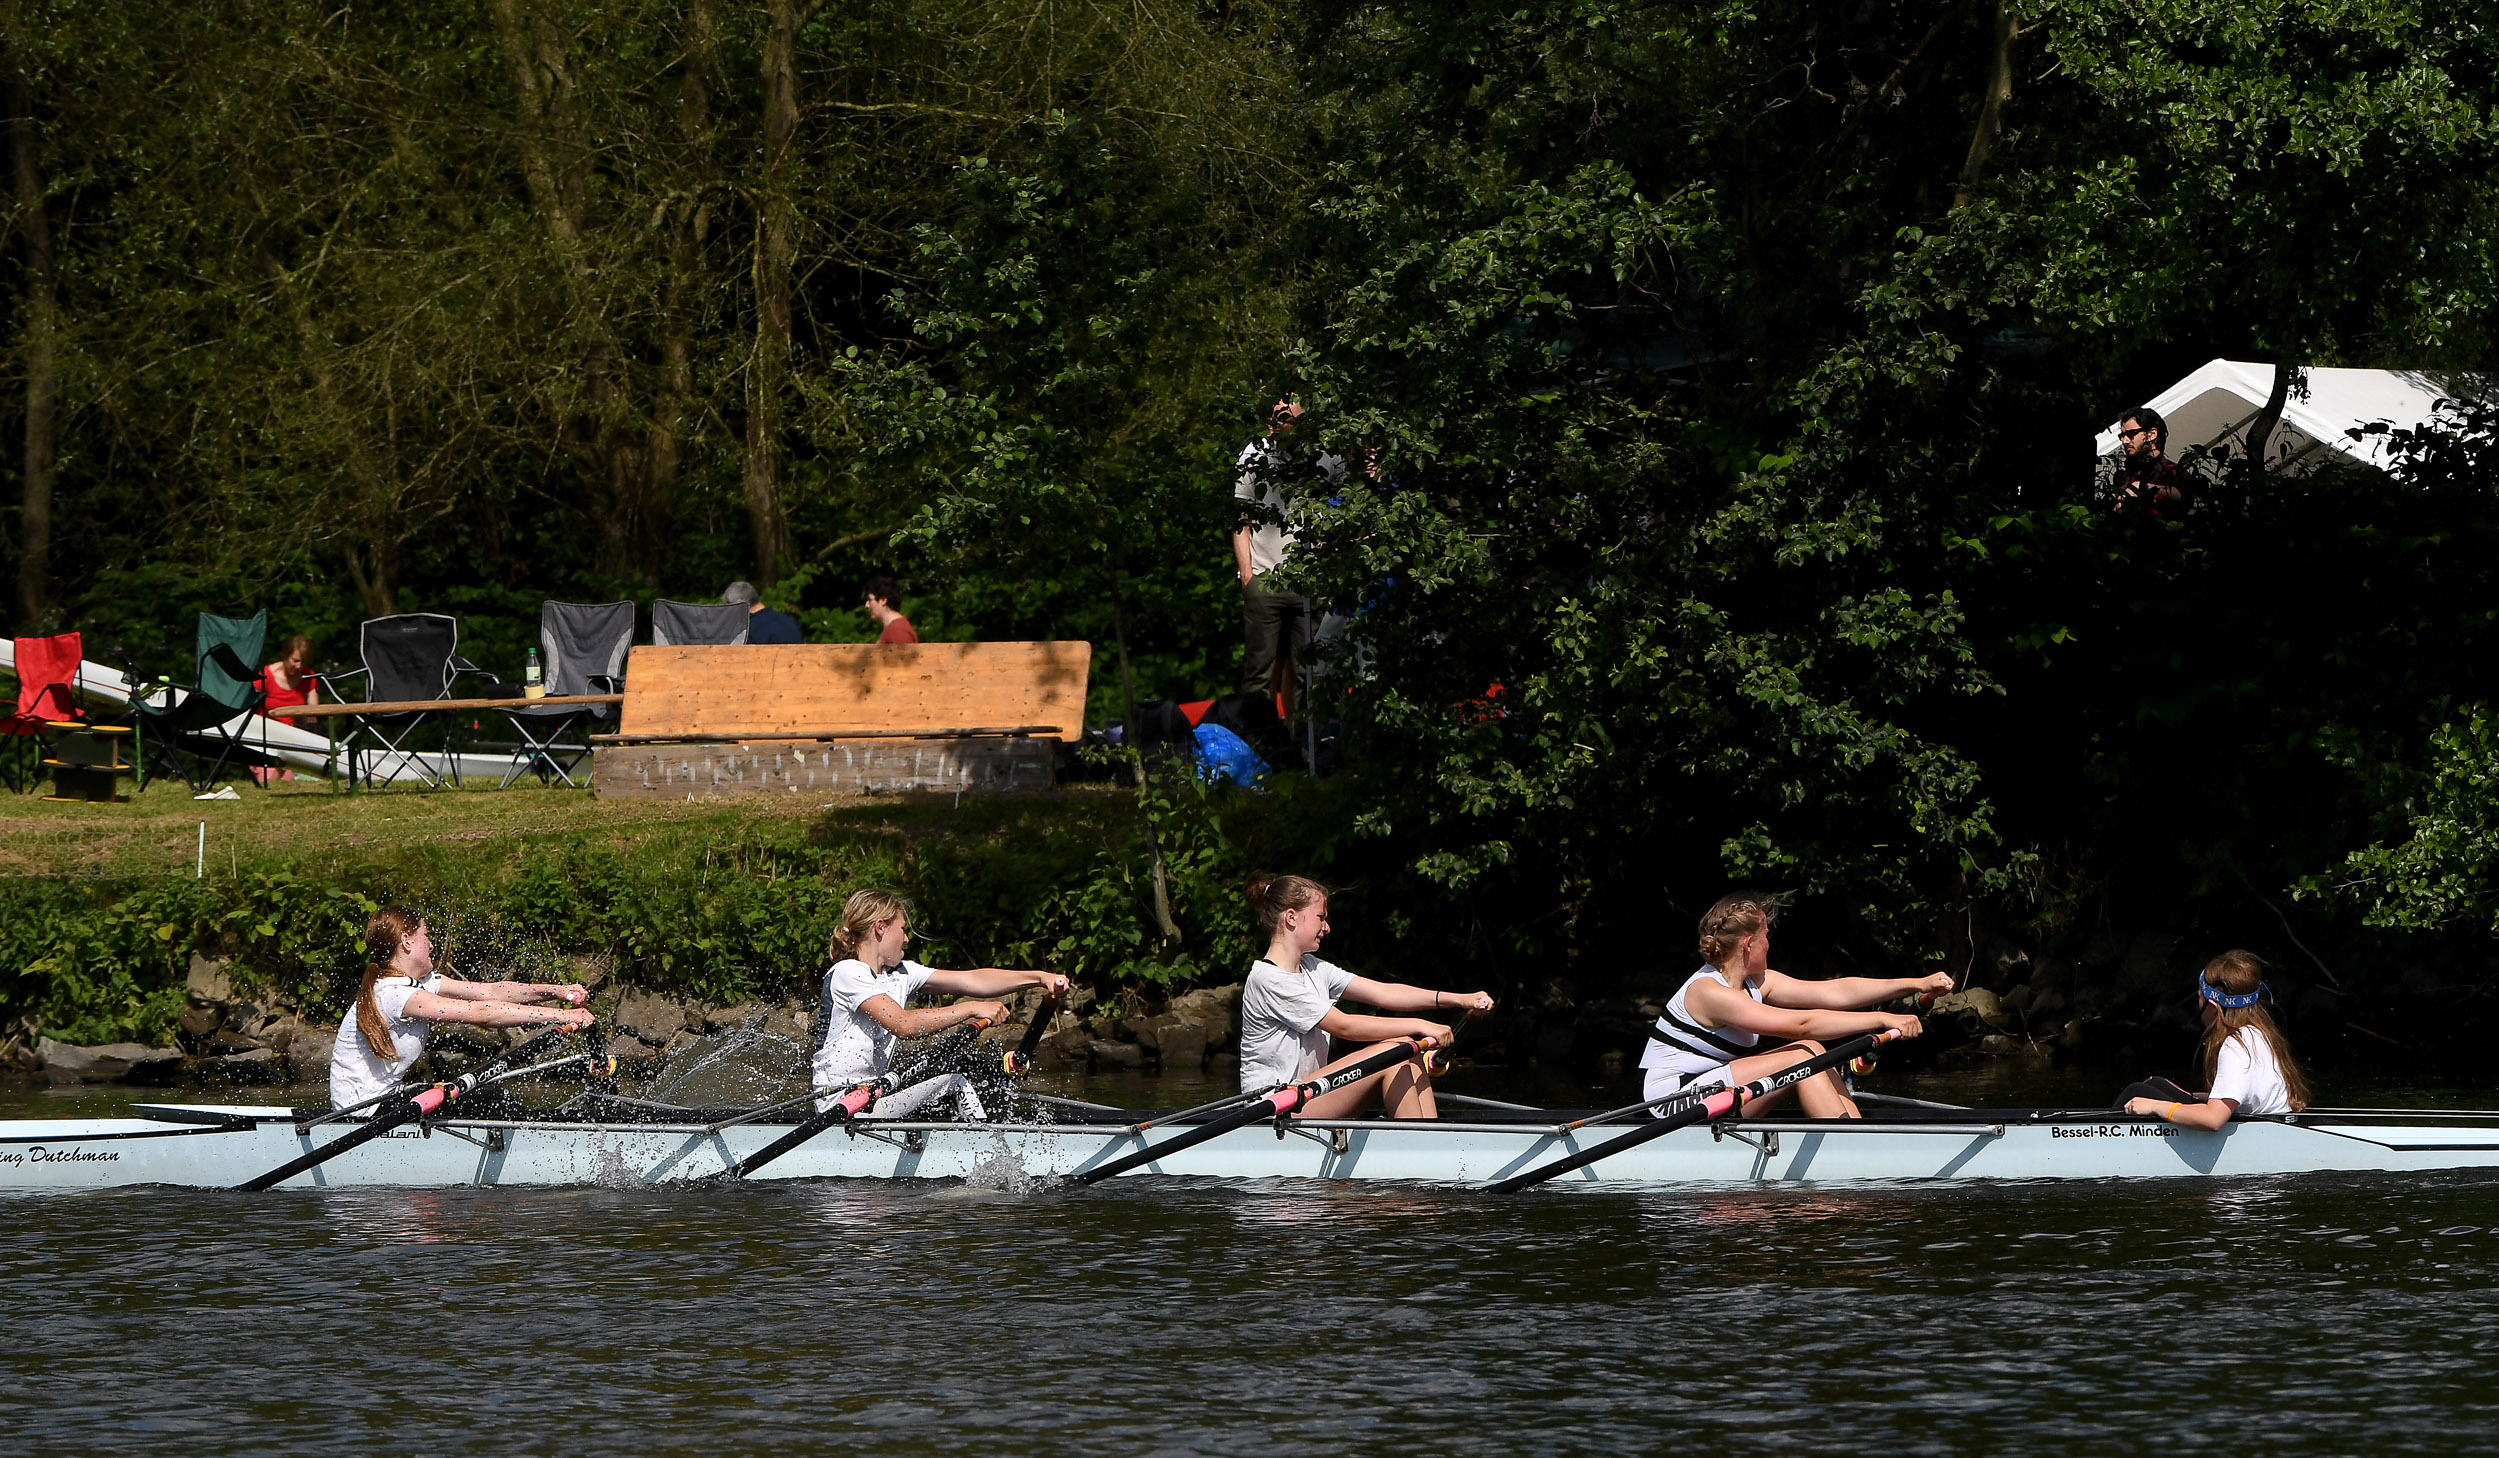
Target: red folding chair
x: 47, y: 682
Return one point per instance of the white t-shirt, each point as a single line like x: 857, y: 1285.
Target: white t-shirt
x: 1255, y: 481
x: 1280, y: 1013
x: 2245, y: 1073
x: 356, y: 1073
x: 853, y: 1047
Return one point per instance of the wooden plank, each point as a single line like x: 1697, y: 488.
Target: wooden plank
x: 798, y: 688
x: 1019, y: 732
x: 412, y: 706
x: 881, y: 766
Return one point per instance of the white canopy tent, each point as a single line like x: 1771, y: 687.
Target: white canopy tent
x: 2216, y: 405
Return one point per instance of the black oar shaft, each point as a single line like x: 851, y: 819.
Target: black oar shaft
x: 407, y: 1110
x: 1283, y: 1101
x: 1020, y: 1060
x: 1715, y: 1104
x: 852, y: 1103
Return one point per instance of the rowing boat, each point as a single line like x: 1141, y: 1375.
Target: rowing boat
x: 208, y: 1145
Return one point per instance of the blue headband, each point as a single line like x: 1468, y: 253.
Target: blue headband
x: 2220, y: 998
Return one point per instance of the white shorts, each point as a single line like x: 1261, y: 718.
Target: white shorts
x: 1657, y: 1083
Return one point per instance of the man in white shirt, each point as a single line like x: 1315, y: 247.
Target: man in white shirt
x: 1275, y: 625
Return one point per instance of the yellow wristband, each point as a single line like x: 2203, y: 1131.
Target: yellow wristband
x: 2170, y: 1115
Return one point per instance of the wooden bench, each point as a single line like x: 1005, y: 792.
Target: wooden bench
x: 841, y: 718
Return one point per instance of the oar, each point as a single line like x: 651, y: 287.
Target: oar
x: 406, y: 1110
x: 849, y: 1105
x: 1718, y: 1103
x: 1281, y: 1102
x: 1020, y: 1061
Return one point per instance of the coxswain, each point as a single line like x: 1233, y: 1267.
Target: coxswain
x: 864, y: 1008
x: 1736, y: 1020
x: 402, y: 997
x: 2246, y: 1059
x: 1289, y: 1012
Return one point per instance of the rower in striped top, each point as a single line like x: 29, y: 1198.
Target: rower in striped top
x: 1736, y: 1020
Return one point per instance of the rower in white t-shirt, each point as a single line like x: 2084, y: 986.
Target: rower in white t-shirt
x: 2246, y: 1058
x: 864, y: 1010
x: 402, y: 997
x: 1289, y: 1012
x: 1736, y: 1019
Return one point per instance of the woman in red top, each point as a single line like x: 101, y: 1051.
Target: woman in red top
x: 286, y: 683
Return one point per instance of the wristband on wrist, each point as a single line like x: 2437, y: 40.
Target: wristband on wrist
x: 2170, y: 1115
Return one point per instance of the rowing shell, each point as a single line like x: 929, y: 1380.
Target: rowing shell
x: 220, y: 1146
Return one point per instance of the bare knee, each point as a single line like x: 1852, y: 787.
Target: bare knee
x: 1809, y: 1047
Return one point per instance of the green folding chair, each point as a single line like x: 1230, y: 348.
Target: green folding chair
x: 201, y: 724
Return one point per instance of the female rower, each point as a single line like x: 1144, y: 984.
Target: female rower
x: 402, y: 997
x: 1287, y: 1016
x: 1736, y: 1020
x: 2246, y: 1058
x: 866, y: 1008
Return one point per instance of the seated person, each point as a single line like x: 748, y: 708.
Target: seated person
x: 1289, y: 1012
x: 884, y: 602
x: 2246, y: 1058
x: 763, y: 624
x: 865, y: 1010
x: 285, y: 684
x: 1736, y: 1020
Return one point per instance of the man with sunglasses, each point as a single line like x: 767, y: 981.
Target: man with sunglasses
x: 2147, y: 480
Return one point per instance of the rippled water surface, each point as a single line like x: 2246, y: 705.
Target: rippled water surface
x: 2308, y: 1314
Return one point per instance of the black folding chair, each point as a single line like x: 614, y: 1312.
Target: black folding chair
x: 583, y: 647
x: 199, y: 724
x: 409, y: 658
x: 688, y: 624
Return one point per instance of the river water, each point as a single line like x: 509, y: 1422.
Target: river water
x: 2326, y: 1315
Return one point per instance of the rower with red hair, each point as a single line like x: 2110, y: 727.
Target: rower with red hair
x: 402, y: 996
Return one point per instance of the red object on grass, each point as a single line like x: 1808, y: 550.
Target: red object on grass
x: 47, y: 669
x: 1196, y: 713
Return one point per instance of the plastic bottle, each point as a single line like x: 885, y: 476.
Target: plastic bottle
x: 533, y: 679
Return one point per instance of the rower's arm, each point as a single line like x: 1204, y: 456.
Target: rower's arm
x: 490, y: 1013
x: 1721, y: 1007
x: 994, y: 981
x: 565, y: 992
x: 919, y: 1022
x: 1836, y: 993
x: 1348, y: 1027
x: 1405, y: 997
x: 2210, y: 1114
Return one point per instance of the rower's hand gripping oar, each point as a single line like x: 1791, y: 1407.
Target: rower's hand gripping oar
x: 854, y: 1102
x: 1019, y: 1059
x: 1724, y: 1101
x: 405, y: 1109
x: 1275, y: 1105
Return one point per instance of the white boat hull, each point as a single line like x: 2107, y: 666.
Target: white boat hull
x: 102, y: 1154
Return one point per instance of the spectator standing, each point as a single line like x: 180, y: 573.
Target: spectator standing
x: 763, y: 624
x: 286, y: 683
x: 1275, y: 626
x: 2147, y: 480
x: 884, y: 603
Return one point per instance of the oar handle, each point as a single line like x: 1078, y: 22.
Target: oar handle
x: 1273, y: 1105
x: 1019, y: 1059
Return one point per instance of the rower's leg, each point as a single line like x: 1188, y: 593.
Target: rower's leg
x: 1405, y: 1091
x: 1823, y: 1095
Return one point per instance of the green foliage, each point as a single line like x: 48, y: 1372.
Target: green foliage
x: 2447, y: 871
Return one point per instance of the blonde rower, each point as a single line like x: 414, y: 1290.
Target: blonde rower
x: 865, y: 1010
x: 1736, y: 1020
x: 2246, y: 1059
x: 402, y: 997
x: 1289, y: 1012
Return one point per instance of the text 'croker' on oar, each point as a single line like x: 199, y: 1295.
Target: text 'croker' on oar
x: 1275, y: 1105
x: 407, y: 1108
x: 1725, y: 1100
x: 854, y: 1101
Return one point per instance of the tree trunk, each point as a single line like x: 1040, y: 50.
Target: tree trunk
x: 42, y: 360
x: 1163, y: 921
x: 1991, y: 107
x: 774, y: 245
x: 685, y: 251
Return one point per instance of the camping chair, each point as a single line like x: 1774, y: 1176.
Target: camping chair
x: 408, y: 658
x: 686, y: 624
x: 47, y: 682
x: 584, y: 644
x: 201, y: 719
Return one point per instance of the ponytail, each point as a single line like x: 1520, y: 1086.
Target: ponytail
x: 382, y: 936
x: 1272, y: 896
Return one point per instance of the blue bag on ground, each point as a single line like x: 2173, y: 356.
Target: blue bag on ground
x: 1224, y: 755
